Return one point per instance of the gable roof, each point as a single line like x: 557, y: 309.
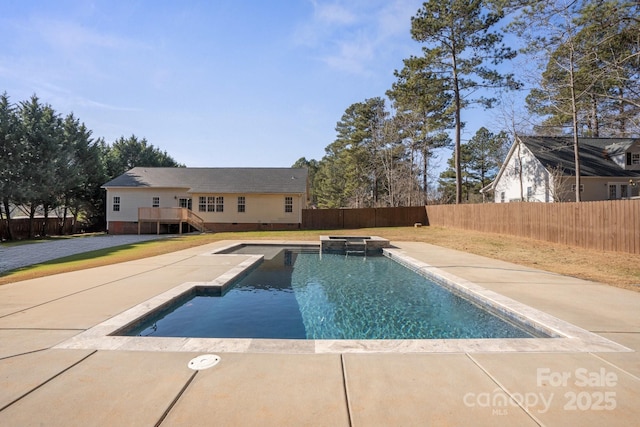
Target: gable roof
x: 557, y: 152
x: 216, y: 180
x: 595, y: 160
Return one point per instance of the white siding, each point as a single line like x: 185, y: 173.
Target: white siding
x: 534, y: 177
x: 635, y: 150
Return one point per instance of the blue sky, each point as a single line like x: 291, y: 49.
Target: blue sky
x: 219, y: 83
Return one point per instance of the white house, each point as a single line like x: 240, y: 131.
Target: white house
x: 542, y: 169
x: 155, y: 200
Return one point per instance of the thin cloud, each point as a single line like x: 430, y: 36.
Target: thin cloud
x: 350, y: 36
x: 352, y: 55
x: 101, y: 105
x: 395, y: 17
x: 71, y: 37
x: 333, y: 14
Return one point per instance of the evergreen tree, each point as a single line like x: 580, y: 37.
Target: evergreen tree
x: 423, y: 108
x: 349, y: 173
x: 10, y: 158
x: 125, y: 154
x: 447, y: 183
x: 312, y: 167
x: 481, y: 158
x: 458, y: 46
x: 555, y: 36
x: 49, y: 164
x: 609, y: 35
x: 43, y: 155
x: 84, y: 175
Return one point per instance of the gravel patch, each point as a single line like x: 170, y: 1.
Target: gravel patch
x: 34, y: 253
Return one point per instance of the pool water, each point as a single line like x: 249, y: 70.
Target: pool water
x: 296, y: 294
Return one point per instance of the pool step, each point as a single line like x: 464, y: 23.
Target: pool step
x: 353, y: 247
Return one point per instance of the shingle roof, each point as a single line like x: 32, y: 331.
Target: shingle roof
x: 557, y: 152
x: 216, y: 180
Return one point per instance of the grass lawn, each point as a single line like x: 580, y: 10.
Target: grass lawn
x: 616, y: 269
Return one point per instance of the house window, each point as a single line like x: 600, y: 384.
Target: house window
x: 623, y: 191
x: 633, y: 159
x: 573, y: 188
x: 529, y: 193
x: 613, y: 194
x: 206, y: 204
x: 184, y: 203
x: 156, y: 202
x: 288, y: 204
x: 241, y: 204
x: 116, y: 203
x: 210, y: 204
x: 502, y: 197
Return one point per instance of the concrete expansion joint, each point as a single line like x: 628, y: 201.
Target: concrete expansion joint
x: 346, y: 388
x: 175, y: 399
x: 48, y: 380
x: 615, y: 366
x: 505, y: 390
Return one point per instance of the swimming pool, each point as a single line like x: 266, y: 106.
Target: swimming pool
x: 297, y: 293
x: 227, y: 268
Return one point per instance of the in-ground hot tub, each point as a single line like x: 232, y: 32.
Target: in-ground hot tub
x: 364, y: 244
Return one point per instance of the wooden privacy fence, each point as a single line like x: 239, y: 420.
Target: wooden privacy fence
x: 607, y: 225
x: 323, y: 219
x: 20, y: 227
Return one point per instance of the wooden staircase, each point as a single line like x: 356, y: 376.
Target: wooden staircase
x: 196, y: 222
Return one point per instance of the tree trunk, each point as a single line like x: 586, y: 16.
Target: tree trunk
x: 74, y: 224
x: 425, y: 180
x: 574, y: 112
x: 458, y: 125
x: 520, y: 171
x: 32, y: 214
x: 5, y: 202
x: 43, y: 231
x: 621, y: 114
x: 595, y: 122
x: 64, y: 218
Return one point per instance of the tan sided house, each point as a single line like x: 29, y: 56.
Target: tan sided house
x: 162, y: 200
x: 542, y: 169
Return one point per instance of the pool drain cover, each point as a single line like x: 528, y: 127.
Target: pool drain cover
x: 203, y: 362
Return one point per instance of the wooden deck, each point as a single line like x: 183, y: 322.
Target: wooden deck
x: 170, y: 216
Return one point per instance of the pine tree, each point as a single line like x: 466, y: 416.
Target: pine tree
x: 422, y: 106
x: 461, y: 49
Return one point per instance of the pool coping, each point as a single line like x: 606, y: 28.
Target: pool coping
x: 566, y: 337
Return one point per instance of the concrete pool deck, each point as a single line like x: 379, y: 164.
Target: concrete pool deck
x: 42, y: 385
